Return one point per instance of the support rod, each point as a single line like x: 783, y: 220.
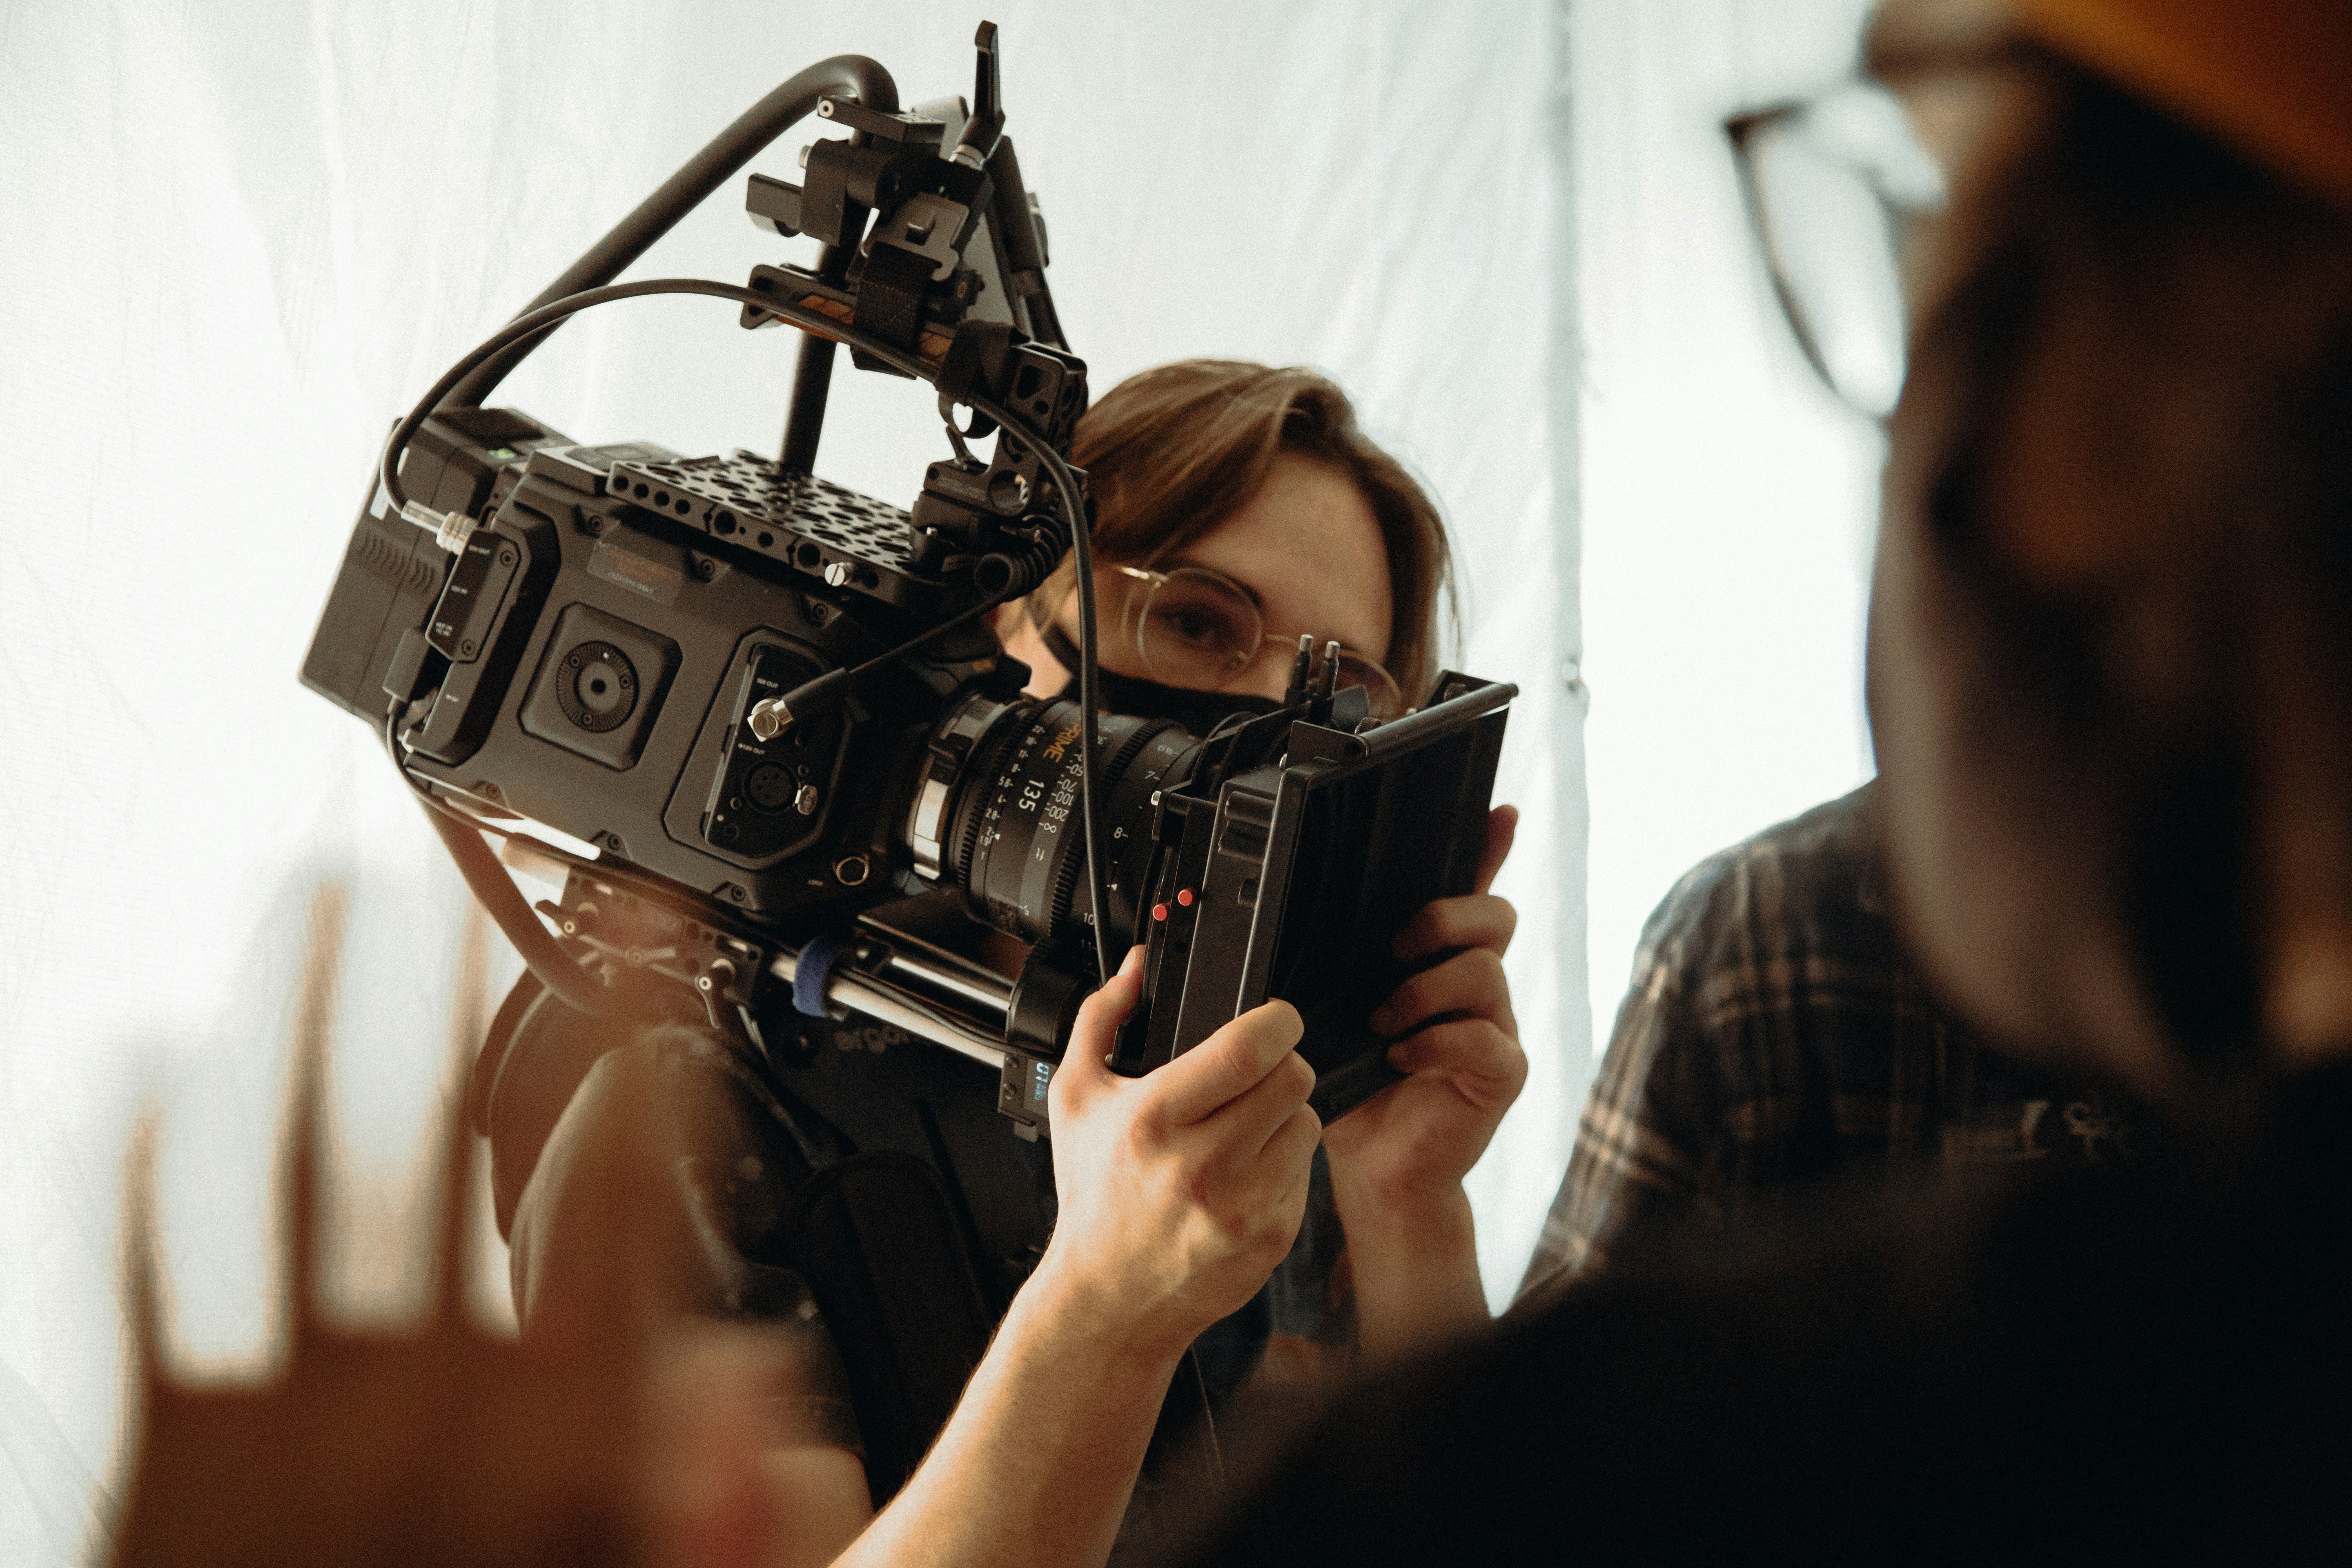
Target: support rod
x: 852, y: 76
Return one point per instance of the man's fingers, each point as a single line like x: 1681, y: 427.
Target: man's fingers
x: 1247, y: 1121
x: 1475, y: 919
x: 1275, y: 1182
x: 1502, y: 826
x: 1288, y: 1158
x: 1228, y: 1064
x: 1483, y: 1063
x: 1292, y: 1147
x: 1095, y: 1029
x: 1269, y: 1201
x: 1469, y: 983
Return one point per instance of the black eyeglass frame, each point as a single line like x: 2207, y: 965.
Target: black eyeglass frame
x: 1888, y: 68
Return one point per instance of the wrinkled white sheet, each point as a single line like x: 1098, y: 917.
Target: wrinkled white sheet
x: 1728, y: 501
x: 236, y: 237
x: 240, y: 236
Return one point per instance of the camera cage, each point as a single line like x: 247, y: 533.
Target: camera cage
x: 1252, y: 892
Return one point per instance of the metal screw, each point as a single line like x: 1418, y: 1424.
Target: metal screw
x: 836, y: 573
x: 804, y: 800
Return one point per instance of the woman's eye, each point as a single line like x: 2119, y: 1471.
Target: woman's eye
x: 1191, y: 627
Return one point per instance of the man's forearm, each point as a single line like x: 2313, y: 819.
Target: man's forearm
x: 1415, y: 1270
x: 1038, y: 1462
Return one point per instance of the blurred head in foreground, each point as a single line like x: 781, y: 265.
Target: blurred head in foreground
x: 2111, y: 682
x: 2111, y: 640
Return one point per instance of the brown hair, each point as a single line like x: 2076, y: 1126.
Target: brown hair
x: 1171, y: 453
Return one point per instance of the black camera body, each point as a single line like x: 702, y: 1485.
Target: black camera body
x: 589, y: 660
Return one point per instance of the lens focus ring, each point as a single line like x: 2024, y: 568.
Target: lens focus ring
x: 1014, y: 832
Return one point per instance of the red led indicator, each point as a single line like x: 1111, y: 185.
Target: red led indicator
x: 1159, y: 911
x: 1185, y: 897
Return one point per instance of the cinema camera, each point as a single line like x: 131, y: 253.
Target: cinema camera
x: 762, y: 707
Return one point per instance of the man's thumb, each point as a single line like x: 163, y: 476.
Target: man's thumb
x: 1096, y: 1030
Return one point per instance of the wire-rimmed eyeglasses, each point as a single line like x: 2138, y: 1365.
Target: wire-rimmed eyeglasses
x: 1195, y: 628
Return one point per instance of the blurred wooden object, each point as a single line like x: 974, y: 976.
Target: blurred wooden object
x: 439, y: 1445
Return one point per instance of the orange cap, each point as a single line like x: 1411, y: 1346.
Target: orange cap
x: 2272, y: 77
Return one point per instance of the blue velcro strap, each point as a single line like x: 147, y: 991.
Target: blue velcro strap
x: 813, y: 971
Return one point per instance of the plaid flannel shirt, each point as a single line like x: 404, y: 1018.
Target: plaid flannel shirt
x: 1777, y: 1038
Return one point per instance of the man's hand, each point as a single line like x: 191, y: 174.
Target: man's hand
x: 1182, y: 1189
x: 1415, y: 1140
x: 1398, y: 1160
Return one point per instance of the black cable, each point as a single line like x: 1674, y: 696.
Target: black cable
x: 1090, y: 676
x: 1211, y: 1450
x: 548, y: 315
x: 504, y: 902
x: 811, y: 697
x: 461, y: 834
x: 849, y: 75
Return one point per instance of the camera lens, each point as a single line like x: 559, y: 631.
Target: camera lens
x: 1008, y: 831
x: 597, y: 686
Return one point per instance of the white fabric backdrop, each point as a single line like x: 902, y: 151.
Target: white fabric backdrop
x: 241, y: 235
x: 1728, y: 501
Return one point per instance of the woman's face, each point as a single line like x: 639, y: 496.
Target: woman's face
x: 1305, y: 546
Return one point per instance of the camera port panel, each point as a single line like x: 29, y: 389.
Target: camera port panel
x: 769, y: 793
x: 756, y: 803
x: 600, y: 687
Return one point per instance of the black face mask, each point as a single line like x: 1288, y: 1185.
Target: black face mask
x: 1199, y: 712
